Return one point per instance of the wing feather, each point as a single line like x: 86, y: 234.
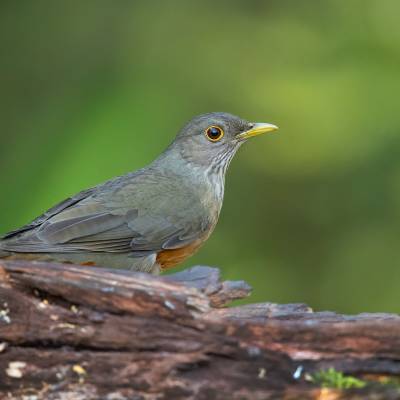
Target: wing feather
x: 69, y: 202
x: 115, y: 220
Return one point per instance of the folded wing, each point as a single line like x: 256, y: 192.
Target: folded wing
x: 89, y: 222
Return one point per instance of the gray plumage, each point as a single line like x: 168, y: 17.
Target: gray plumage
x: 127, y: 221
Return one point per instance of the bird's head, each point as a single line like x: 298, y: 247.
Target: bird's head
x: 213, y: 139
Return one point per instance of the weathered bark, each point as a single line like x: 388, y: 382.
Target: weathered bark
x: 75, y: 332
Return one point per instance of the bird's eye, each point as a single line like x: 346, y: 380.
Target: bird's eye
x: 214, y: 133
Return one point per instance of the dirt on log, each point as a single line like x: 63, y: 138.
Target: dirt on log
x: 73, y: 332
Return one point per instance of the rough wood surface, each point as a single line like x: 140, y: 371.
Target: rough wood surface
x: 72, y: 332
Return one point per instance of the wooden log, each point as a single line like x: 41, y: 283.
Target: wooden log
x: 72, y: 332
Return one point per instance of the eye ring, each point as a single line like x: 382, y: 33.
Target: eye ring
x: 214, y: 133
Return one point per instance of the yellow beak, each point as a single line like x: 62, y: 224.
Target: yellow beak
x: 257, y: 129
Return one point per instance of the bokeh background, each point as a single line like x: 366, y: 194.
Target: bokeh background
x: 94, y: 89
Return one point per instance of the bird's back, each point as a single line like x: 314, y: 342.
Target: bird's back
x: 149, y: 212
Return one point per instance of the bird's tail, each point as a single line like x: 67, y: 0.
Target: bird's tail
x: 4, y: 254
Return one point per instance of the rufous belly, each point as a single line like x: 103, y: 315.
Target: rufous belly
x: 169, y: 258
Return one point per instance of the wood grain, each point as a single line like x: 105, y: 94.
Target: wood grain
x: 73, y: 332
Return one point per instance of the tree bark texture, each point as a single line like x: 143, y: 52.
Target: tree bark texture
x: 73, y: 332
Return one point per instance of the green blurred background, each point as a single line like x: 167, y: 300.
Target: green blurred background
x: 94, y: 89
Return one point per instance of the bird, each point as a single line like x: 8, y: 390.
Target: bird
x: 148, y: 220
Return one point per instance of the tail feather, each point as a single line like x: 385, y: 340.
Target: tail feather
x: 4, y: 253
x: 10, y: 255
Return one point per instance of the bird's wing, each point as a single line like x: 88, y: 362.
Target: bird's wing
x: 141, y: 214
x: 67, y: 203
